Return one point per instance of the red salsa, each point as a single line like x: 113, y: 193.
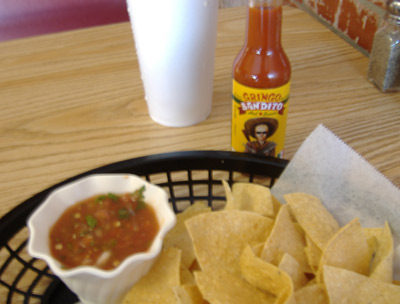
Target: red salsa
x: 103, y: 230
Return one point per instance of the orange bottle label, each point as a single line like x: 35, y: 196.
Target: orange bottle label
x: 259, y: 119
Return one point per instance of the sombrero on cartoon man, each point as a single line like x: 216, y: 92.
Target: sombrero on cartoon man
x: 250, y: 125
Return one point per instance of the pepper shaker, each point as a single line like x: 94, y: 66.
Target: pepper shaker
x: 384, y: 62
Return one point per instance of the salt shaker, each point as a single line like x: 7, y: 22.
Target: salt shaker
x: 384, y: 62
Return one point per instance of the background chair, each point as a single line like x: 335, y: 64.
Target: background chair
x: 24, y: 18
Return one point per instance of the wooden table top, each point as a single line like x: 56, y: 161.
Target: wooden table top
x: 74, y: 101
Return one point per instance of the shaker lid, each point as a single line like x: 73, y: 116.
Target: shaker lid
x: 393, y: 7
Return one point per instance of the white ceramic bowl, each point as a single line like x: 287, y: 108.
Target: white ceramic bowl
x: 90, y: 284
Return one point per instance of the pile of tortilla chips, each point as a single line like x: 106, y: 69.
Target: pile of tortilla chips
x: 258, y: 250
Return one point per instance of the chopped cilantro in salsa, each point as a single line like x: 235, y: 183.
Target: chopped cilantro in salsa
x: 103, y: 230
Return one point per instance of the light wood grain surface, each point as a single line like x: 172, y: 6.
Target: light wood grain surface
x: 73, y: 101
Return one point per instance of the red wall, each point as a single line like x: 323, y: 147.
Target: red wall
x: 355, y: 20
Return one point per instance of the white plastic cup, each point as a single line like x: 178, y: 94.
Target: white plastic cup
x: 175, y: 43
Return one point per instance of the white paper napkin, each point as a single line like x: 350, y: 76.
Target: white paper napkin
x: 345, y: 182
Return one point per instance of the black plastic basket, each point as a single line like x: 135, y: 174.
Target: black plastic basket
x: 187, y: 177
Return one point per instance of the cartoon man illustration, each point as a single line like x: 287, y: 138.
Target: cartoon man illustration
x: 261, y: 129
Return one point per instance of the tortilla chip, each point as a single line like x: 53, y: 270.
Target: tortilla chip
x: 344, y: 286
x: 313, y: 254
x: 266, y: 276
x: 285, y: 238
x: 156, y: 286
x: 220, y: 237
x: 218, y: 285
x: 228, y: 196
x: 373, y: 232
x: 187, y: 277
x: 188, y: 294
x: 276, y: 204
x: 290, y: 265
x: 311, y: 294
x: 313, y: 217
x: 382, y: 263
x: 252, y: 197
x: 372, y: 235
x: 195, y: 267
x: 178, y: 236
x: 258, y: 248
x: 297, y: 226
x: 347, y: 249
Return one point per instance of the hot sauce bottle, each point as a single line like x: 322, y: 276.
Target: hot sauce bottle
x: 261, y: 83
